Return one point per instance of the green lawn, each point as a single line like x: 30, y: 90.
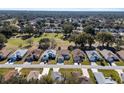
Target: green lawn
x: 48, y: 35
x: 92, y: 76
x: 104, y: 63
x: 119, y: 63
x: 111, y: 73
x: 86, y: 62
x: 16, y: 42
x: 50, y: 72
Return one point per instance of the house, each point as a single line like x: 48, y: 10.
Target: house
x: 93, y: 56
x: 82, y: 79
x: 65, y: 54
x: 102, y: 80
x: 17, y: 55
x: 121, y: 54
x: 33, y: 75
x: 48, y: 55
x: 109, y: 55
x: 4, y: 53
x: 33, y: 55
x: 10, y: 75
x: 78, y: 55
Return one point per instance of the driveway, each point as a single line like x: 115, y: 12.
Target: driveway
x: 85, y: 72
x: 94, y: 64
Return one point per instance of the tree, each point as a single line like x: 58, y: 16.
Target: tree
x: 89, y: 30
x: 8, y: 29
x: 75, y: 25
x: 67, y: 27
x: 105, y: 38
x: 29, y: 29
x: 118, y: 42
x: 3, y: 40
x: 90, y: 39
x: 46, y: 43
x: 79, y: 39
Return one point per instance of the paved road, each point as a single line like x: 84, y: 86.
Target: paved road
x: 58, y: 66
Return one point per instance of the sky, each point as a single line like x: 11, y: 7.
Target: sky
x: 63, y: 5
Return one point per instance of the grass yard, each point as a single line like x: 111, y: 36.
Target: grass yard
x: 119, y: 63
x: 4, y: 71
x: 70, y: 61
x: 104, y: 63
x: 48, y: 35
x: 3, y: 62
x: 16, y: 42
x: 67, y: 72
x: 52, y: 62
x: 111, y: 73
x: 18, y: 62
x: 92, y: 76
x: 50, y: 72
x: 85, y: 63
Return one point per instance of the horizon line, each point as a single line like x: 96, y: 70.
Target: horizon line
x: 65, y: 9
